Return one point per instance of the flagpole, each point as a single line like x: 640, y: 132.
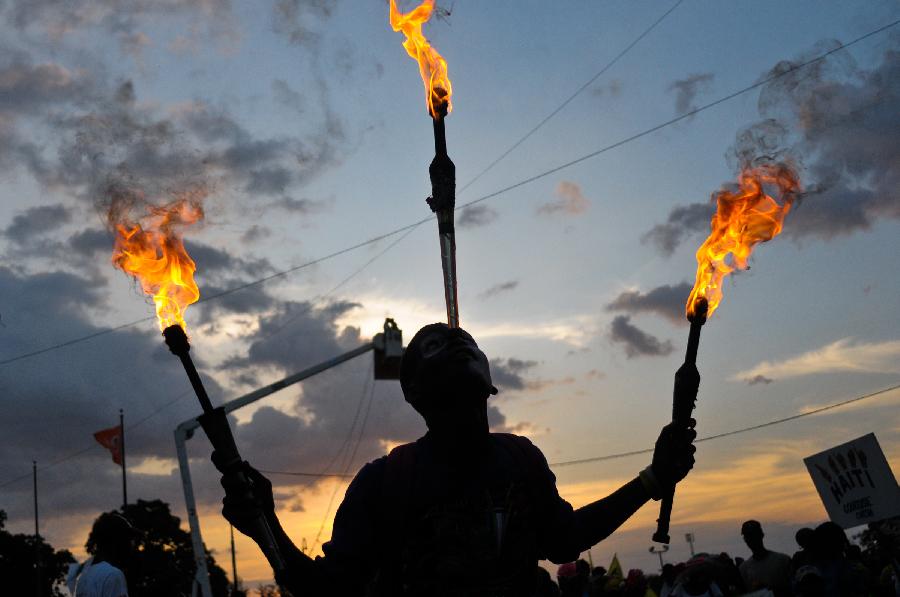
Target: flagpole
x: 122, y: 445
x: 37, y: 546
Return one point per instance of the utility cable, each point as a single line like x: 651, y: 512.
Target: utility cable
x: 486, y: 197
x: 618, y: 455
x: 568, y: 100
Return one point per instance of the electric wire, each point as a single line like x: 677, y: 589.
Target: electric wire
x: 568, y: 100
x: 95, y: 445
x: 618, y: 455
x: 506, y: 189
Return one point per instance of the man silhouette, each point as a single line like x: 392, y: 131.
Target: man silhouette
x: 461, y: 511
x: 764, y: 569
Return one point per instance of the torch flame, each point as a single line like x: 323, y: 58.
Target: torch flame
x: 743, y: 219
x: 432, y: 65
x: 152, y: 251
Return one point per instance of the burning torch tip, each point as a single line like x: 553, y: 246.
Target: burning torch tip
x: 701, y: 306
x: 176, y: 340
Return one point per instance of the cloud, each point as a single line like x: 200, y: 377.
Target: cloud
x: 838, y: 121
x: 570, y: 201
x: 303, y: 207
x: 635, y: 341
x: 507, y: 374
x: 474, y: 216
x: 57, y: 20
x: 682, y: 222
x: 686, y: 90
x: 759, y: 379
x: 613, y: 89
x: 295, y: 19
x: 37, y: 221
x: 845, y: 355
x: 498, y: 289
x: 666, y: 300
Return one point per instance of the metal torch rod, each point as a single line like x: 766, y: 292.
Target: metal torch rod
x: 682, y: 407
x: 222, y: 440
x: 443, y: 203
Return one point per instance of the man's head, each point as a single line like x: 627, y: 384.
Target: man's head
x: 111, y: 535
x: 443, y: 372
x: 753, y: 534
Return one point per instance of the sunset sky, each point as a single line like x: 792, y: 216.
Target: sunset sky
x: 303, y: 125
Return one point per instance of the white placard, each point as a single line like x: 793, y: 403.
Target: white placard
x: 855, y: 482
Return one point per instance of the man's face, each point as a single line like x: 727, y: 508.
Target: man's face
x: 447, y: 378
x: 450, y: 363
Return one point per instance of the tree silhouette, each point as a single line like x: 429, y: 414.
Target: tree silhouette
x: 17, y: 564
x: 163, y: 563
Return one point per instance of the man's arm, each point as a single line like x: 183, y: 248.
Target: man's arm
x: 346, y: 568
x: 571, y: 533
x: 673, y: 458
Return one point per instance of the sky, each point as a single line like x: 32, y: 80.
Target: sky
x: 302, y: 127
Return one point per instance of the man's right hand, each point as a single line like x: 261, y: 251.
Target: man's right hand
x: 248, y: 497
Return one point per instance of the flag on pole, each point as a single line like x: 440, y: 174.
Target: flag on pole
x: 111, y: 439
x: 615, y: 568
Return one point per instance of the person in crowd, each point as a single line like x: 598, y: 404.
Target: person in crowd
x: 764, y: 569
x: 668, y: 580
x: 573, y: 579
x: 111, y: 543
x: 840, y: 577
x: 544, y: 586
x: 804, y: 538
x: 808, y: 582
x: 461, y: 511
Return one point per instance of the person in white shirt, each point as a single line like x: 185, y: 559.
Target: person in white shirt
x: 111, y: 541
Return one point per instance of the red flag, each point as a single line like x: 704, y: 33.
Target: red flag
x: 111, y: 439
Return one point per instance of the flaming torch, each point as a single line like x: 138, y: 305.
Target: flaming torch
x: 745, y: 216
x: 433, y: 69
x: 153, y: 253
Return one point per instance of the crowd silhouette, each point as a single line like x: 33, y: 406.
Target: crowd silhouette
x: 826, y: 564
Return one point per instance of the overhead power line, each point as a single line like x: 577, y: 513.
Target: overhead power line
x: 526, y: 181
x: 618, y: 455
x: 569, y: 99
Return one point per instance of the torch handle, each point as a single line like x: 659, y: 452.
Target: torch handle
x: 440, y: 137
x: 684, y: 397
x: 196, y: 382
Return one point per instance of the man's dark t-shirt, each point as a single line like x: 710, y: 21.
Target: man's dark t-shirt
x: 431, y: 521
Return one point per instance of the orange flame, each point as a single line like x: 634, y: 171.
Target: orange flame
x: 432, y: 65
x: 152, y: 252
x: 744, y: 218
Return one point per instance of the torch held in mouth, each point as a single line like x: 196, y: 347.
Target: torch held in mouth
x: 216, y: 427
x: 683, y: 399
x: 443, y: 203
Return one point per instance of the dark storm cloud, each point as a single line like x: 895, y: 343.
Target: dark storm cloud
x: 498, y: 289
x: 91, y: 241
x: 219, y: 261
x: 474, y: 216
x: 28, y: 88
x: 37, y: 221
x: 683, y: 222
x: 666, y: 300
x: 839, y: 122
x: 686, y: 90
x: 255, y: 233
x: 55, y: 401
x: 508, y: 374
x: 636, y: 342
